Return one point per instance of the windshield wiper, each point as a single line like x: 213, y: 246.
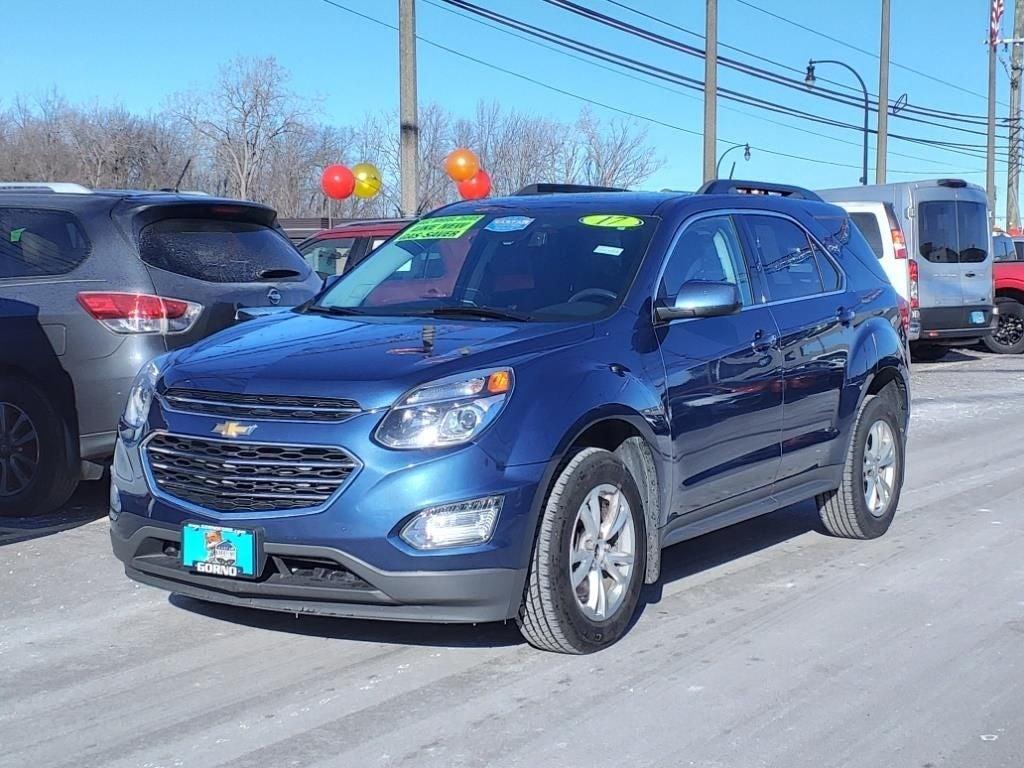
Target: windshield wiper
x: 321, y: 309
x: 277, y: 273
x: 488, y: 312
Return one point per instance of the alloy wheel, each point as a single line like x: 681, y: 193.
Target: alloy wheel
x: 19, y: 449
x: 1009, y: 331
x: 879, y: 467
x: 603, y: 552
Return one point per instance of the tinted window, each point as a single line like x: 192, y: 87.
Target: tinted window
x: 974, y: 232
x: 548, y: 264
x: 1018, y: 246
x: 952, y: 232
x: 831, y: 279
x: 327, y: 257
x: 868, y: 226
x: 709, y: 249
x: 789, y: 265
x: 35, y: 243
x: 220, y: 251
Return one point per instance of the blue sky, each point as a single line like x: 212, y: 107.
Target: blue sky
x: 137, y: 53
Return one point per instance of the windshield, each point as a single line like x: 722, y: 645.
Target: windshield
x: 524, y: 265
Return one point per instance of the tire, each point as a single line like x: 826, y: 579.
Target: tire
x: 37, y: 475
x: 845, y: 511
x: 554, y: 615
x: 927, y: 353
x: 1008, y: 338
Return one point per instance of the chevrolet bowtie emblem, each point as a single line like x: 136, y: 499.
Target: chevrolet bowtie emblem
x: 234, y: 429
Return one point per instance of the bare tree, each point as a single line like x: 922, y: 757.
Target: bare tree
x: 615, y: 154
x: 243, y: 117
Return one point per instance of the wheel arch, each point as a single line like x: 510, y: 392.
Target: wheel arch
x: 1010, y: 292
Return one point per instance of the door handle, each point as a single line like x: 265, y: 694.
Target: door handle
x: 845, y: 316
x: 970, y: 274
x: 763, y: 341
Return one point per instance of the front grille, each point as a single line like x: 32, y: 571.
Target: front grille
x: 228, y: 476
x: 264, y: 407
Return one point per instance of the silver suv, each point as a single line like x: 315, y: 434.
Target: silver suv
x: 93, y: 284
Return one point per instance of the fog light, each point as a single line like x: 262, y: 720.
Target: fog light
x: 453, y: 525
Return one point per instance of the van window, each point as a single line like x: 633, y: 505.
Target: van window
x: 790, y: 269
x: 867, y: 223
x: 952, y: 232
x: 37, y: 243
x: 220, y: 250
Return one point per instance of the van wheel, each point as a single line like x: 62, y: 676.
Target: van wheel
x: 36, y: 475
x: 1008, y: 337
x: 589, y: 559
x: 864, y: 505
x: 927, y: 353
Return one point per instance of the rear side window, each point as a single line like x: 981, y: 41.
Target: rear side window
x: 328, y: 257
x: 220, y: 251
x: 788, y: 261
x: 38, y: 243
x: 867, y: 223
x: 952, y: 232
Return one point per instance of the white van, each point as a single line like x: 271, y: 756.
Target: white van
x: 882, y: 231
x: 946, y: 226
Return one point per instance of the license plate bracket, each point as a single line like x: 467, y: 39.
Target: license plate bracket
x: 215, y: 550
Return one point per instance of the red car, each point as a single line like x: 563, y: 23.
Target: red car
x: 1008, y: 274
x: 335, y: 251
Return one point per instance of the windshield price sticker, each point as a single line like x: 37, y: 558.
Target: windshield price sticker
x: 612, y: 221
x: 509, y: 224
x: 440, y: 228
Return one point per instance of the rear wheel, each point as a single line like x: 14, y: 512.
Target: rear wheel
x: 1008, y: 337
x: 588, y: 562
x: 927, y: 353
x: 864, y: 505
x: 36, y: 475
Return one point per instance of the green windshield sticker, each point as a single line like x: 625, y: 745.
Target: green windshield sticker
x: 439, y: 228
x: 16, y: 235
x: 612, y: 220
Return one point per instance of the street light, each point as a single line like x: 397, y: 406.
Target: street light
x: 809, y: 79
x: 721, y: 157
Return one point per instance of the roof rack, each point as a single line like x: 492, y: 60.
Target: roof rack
x: 65, y: 187
x: 737, y: 187
x: 553, y: 189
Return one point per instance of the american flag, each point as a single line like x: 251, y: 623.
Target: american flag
x: 998, y: 7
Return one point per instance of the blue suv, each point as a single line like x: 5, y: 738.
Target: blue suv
x: 510, y: 409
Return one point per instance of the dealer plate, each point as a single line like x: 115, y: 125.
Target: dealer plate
x: 977, y: 318
x: 217, y: 551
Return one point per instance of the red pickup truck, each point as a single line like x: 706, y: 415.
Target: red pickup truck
x: 1008, y: 274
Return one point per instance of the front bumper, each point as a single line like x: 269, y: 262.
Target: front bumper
x: 321, y: 580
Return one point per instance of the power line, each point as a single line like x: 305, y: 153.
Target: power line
x: 862, y: 50
x: 603, y: 105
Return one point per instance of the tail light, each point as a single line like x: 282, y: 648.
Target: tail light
x: 140, y: 312
x: 899, y: 244
x: 912, y: 274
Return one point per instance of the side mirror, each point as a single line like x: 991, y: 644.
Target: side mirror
x: 700, y: 298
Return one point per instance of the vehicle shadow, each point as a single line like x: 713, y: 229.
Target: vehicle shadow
x: 678, y: 562
x: 88, y: 504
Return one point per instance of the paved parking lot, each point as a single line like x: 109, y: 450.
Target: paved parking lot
x: 768, y: 644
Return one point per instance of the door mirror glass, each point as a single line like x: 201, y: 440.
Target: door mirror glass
x: 700, y: 298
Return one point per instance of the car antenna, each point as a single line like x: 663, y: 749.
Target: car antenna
x: 181, y: 178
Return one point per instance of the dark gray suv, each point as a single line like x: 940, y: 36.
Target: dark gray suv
x: 93, y: 284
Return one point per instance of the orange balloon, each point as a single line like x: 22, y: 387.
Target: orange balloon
x: 462, y: 165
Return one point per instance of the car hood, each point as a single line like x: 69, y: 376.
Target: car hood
x: 370, y: 360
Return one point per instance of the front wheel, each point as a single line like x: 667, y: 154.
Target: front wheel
x: 589, y: 559
x: 864, y: 505
x: 1008, y: 337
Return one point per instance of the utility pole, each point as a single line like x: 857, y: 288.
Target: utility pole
x: 1013, y: 171
x: 710, y: 88
x: 990, y: 144
x: 410, y: 131
x: 881, y: 141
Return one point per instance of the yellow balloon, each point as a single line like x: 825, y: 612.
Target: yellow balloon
x: 368, y: 181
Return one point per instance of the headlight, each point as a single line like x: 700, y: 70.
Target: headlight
x: 140, y: 396
x: 453, y: 525
x: 446, y: 412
